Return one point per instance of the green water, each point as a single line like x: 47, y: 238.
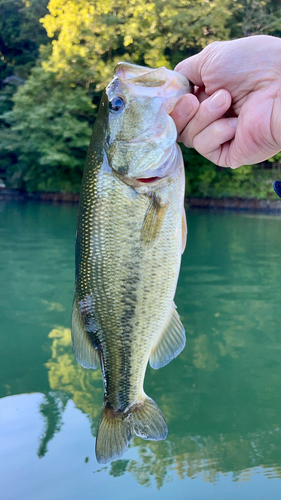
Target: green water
x: 221, y: 397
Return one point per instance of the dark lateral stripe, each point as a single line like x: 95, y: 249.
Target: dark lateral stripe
x: 122, y: 387
x: 129, y: 299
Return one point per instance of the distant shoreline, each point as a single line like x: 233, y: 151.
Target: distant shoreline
x: 214, y: 203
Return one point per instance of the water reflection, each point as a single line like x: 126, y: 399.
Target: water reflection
x: 221, y: 396
x: 52, y: 409
x: 238, y: 449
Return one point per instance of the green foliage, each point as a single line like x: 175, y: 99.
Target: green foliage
x: 50, y: 129
x: 255, y: 17
x: 7, y: 158
x: 20, y: 35
x: 206, y: 180
x: 93, y: 36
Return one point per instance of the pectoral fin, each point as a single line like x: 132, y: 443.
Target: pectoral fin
x: 184, y: 230
x: 84, y: 350
x: 153, y: 220
x: 171, y: 342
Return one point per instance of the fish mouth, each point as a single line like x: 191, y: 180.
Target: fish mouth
x: 147, y: 180
x: 142, y: 182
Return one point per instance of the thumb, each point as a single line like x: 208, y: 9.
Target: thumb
x: 191, y: 69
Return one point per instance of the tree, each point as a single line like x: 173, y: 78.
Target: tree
x: 255, y: 17
x: 50, y: 129
x: 91, y: 37
x: 50, y: 124
x: 20, y: 36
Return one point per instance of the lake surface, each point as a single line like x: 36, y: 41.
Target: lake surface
x: 221, y: 397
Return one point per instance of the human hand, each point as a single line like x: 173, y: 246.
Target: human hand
x: 234, y: 118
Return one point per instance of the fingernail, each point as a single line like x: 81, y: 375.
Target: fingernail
x: 217, y: 100
x: 184, y: 108
x: 233, y: 122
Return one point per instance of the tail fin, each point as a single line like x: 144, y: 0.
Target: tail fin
x: 117, y: 429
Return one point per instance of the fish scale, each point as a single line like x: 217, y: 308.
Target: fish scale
x: 128, y: 253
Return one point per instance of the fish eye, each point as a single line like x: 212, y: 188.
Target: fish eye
x: 116, y: 103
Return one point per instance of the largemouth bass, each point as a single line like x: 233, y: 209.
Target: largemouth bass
x: 131, y: 233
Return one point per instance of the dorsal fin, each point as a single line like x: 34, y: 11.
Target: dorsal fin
x: 170, y: 343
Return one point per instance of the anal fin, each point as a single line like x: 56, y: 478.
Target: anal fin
x: 153, y: 220
x: 149, y: 422
x: 85, y: 353
x: 170, y: 343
